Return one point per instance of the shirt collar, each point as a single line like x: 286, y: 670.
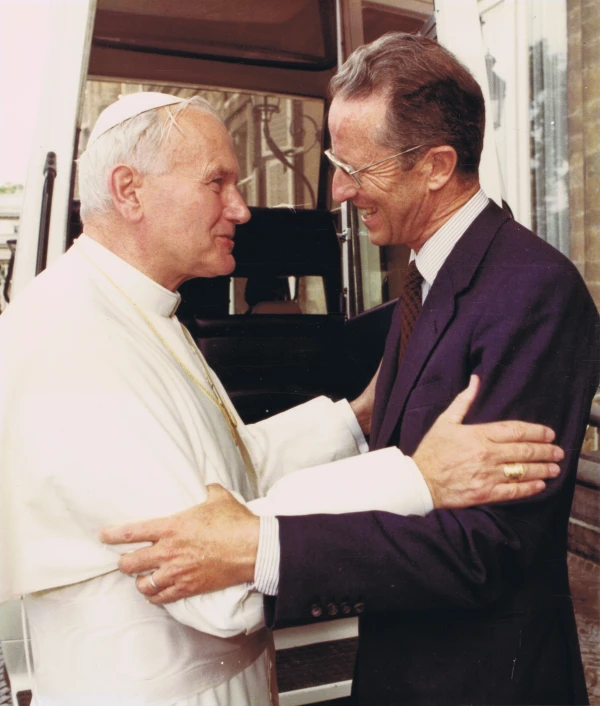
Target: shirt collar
x: 144, y: 291
x: 433, y: 254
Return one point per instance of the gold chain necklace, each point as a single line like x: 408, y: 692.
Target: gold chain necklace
x: 213, y: 394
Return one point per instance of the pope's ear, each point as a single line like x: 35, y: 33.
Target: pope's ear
x: 442, y: 165
x: 123, y: 184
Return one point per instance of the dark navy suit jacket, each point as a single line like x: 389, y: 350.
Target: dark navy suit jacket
x: 468, y: 606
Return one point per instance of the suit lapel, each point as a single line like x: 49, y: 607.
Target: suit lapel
x: 387, y: 375
x: 454, y: 277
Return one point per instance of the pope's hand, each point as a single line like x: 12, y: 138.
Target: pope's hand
x: 463, y: 464
x: 204, y: 548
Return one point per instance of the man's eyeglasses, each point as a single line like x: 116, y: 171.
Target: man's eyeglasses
x: 351, y: 172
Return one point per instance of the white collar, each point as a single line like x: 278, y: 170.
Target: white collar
x: 433, y: 254
x: 143, y: 291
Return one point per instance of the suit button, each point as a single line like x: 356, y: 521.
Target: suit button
x: 332, y: 609
x: 359, y: 607
x: 346, y: 608
x: 316, y: 610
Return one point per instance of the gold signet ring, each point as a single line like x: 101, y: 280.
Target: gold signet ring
x: 513, y: 472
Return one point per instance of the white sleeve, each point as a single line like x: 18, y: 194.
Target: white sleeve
x: 311, y: 434
x: 381, y: 480
x: 232, y: 611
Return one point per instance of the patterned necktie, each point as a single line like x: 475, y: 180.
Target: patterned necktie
x: 411, y: 305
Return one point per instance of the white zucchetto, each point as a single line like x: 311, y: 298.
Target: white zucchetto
x: 128, y: 107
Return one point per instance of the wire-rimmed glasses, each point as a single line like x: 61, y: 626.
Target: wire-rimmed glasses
x: 351, y: 172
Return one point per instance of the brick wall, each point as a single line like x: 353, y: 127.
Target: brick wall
x: 584, y: 139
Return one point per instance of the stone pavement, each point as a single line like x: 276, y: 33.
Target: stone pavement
x: 585, y: 588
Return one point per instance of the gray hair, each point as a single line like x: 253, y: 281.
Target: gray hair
x: 137, y: 142
x: 433, y: 99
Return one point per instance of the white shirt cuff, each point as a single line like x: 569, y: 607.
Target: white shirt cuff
x: 266, y: 570
x: 352, y: 422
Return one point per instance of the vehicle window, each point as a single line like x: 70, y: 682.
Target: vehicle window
x: 382, y: 270
x: 277, y: 139
x: 277, y: 295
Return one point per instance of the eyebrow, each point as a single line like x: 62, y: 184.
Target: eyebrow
x: 220, y: 172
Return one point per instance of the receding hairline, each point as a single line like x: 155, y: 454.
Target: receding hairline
x: 378, y: 93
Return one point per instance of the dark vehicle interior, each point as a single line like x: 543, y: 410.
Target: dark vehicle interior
x: 273, y: 356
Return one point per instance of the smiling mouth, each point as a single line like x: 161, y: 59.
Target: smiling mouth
x: 367, y: 212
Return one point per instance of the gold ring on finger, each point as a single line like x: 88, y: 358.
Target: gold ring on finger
x: 513, y: 472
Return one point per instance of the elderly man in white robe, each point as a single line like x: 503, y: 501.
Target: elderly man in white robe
x: 110, y: 414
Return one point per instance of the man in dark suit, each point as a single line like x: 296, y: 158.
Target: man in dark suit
x: 468, y: 605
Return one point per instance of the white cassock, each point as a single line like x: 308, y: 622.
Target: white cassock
x: 100, y: 425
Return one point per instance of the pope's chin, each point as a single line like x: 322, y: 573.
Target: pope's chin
x: 230, y: 265
x: 220, y: 267
x: 225, y: 266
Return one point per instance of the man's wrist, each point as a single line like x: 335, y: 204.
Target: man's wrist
x: 424, y: 462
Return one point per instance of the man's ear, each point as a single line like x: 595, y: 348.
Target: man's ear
x: 123, y: 184
x: 442, y: 165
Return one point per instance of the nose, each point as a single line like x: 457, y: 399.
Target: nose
x: 343, y: 187
x: 236, y: 210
